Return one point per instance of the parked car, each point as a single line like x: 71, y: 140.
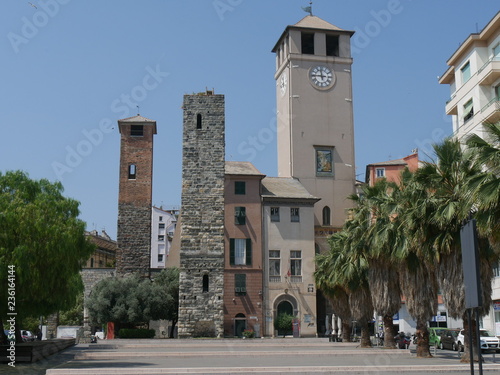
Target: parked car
x: 448, y: 339
x: 489, y: 342
x: 435, y: 335
x: 27, y: 335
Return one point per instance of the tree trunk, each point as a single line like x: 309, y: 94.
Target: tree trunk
x: 346, y: 331
x: 389, y: 342
x: 466, y: 355
x: 172, y: 329
x: 423, y: 350
x: 365, y: 335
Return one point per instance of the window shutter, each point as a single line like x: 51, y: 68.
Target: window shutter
x: 249, y: 252
x: 231, y: 251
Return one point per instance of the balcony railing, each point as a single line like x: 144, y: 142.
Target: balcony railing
x: 275, y: 279
x: 495, y: 58
x: 295, y: 279
x: 495, y: 101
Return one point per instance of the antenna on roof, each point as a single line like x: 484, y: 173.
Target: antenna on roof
x: 309, y: 8
x: 138, y: 112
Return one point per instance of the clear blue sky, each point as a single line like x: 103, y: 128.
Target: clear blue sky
x: 70, y: 68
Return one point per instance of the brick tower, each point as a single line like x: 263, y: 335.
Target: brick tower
x: 135, y: 195
x: 202, y: 217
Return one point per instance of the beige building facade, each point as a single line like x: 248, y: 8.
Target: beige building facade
x: 288, y: 234
x: 474, y: 78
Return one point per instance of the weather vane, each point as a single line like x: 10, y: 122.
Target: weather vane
x: 309, y: 8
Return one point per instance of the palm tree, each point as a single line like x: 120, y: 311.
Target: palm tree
x: 336, y: 295
x: 373, y: 214
x: 486, y: 185
x: 416, y: 255
x: 451, y: 201
x: 348, y: 270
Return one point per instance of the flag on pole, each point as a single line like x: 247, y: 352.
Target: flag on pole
x: 308, y: 9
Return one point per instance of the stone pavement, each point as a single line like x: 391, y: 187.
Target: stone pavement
x: 242, y: 357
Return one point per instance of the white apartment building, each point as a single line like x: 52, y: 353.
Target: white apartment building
x: 162, y: 232
x: 474, y: 79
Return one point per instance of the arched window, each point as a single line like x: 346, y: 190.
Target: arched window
x: 326, y: 215
x: 198, y: 121
x: 205, y: 283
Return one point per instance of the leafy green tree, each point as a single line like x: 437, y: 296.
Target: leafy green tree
x: 284, y: 323
x: 166, y: 295
x: 42, y: 243
x: 74, y: 315
x: 131, y: 300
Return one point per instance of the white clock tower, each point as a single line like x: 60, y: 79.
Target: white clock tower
x: 315, y: 117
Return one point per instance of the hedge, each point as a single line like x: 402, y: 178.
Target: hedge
x: 129, y: 333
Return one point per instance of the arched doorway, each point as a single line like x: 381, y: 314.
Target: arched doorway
x: 240, y: 324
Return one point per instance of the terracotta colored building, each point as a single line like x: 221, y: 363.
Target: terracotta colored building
x: 243, y: 288
x: 391, y: 169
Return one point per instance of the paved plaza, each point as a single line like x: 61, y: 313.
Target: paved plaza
x: 238, y: 356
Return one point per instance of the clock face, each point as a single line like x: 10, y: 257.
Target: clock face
x: 283, y: 82
x: 322, y: 77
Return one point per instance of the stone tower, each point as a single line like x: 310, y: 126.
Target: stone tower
x: 135, y: 195
x: 202, y: 216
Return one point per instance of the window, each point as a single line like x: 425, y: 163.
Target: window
x: 160, y: 257
x: 240, y: 284
x: 465, y: 72
x: 274, y: 266
x: 294, y: 215
x: 468, y: 110
x: 161, y: 226
x: 239, y: 215
x: 136, y: 130
x: 239, y: 187
x: 296, y: 265
x: 496, y: 51
x: 496, y: 270
x: 324, y: 161
x: 240, y: 251
x: 160, y: 218
x: 198, y: 121
x: 205, y: 283
x: 161, y: 237
x: 307, y: 43
x: 131, y: 172
x: 379, y: 172
x: 275, y: 214
x: 332, y: 45
x: 326, y: 215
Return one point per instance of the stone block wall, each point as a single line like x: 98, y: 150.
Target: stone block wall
x: 134, y: 239
x: 202, y: 202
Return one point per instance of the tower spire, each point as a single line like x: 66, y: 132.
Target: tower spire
x: 309, y: 8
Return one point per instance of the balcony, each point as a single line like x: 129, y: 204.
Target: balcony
x: 491, y: 111
x: 275, y: 279
x: 489, y: 72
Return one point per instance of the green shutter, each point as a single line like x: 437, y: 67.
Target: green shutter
x: 249, y: 252
x: 231, y: 251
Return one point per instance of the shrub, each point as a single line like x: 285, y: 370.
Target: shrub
x: 248, y: 333
x: 204, y: 329
x: 134, y: 333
